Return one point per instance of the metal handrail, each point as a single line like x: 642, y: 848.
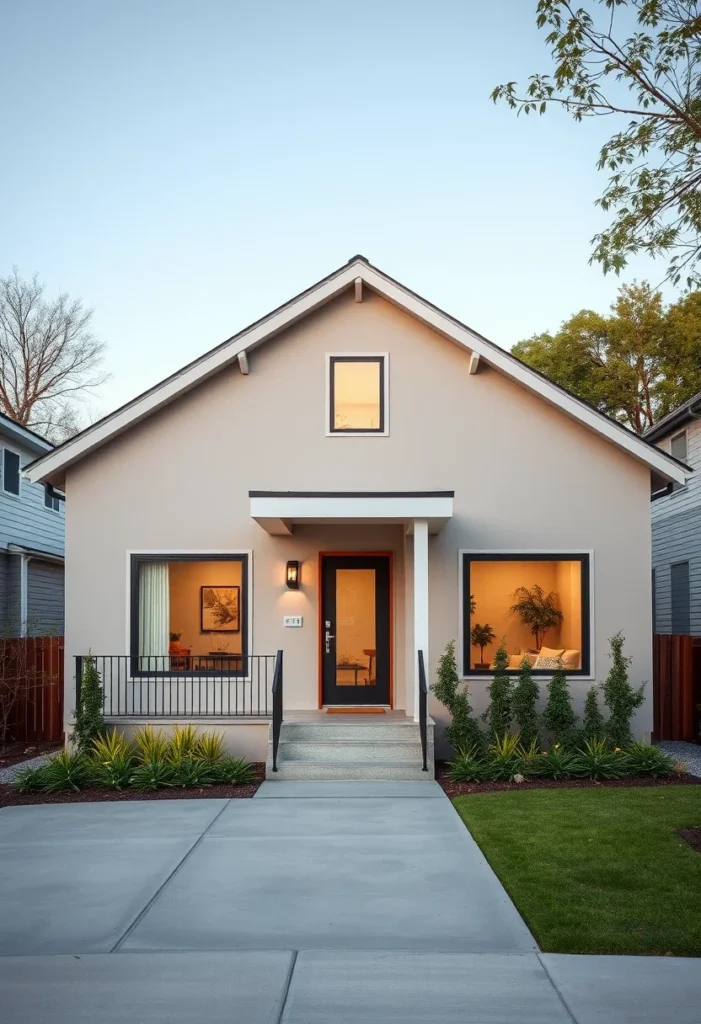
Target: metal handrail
x: 277, y: 706
x: 423, y: 710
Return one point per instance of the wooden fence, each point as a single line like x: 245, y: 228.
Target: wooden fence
x: 676, y: 678
x: 31, y: 688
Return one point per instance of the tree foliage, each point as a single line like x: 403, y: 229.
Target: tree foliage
x: 558, y: 715
x: 636, y: 364
x: 500, y: 711
x: 525, y: 700
x: 89, y: 722
x: 637, y: 61
x: 593, y: 721
x: 48, y: 357
x: 620, y: 697
x: 463, y: 732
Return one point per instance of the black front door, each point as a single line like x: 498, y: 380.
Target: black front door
x: 355, y: 629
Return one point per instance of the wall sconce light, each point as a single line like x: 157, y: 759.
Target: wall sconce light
x: 293, y: 575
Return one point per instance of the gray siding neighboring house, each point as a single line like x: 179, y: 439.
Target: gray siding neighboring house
x: 32, y: 531
x: 676, y: 527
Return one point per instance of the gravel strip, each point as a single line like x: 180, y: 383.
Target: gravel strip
x: 8, y: 774
x: 688, y: 753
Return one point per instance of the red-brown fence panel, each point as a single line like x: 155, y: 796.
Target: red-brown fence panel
x: 676, y: 678
x: 31, y: 688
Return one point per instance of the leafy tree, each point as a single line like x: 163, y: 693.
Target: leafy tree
x: 538, y: 610
x: 89, y: 723
x: 48, y: 357
x: 500, y: 711
x: 482, y: 636
x: 525, y: 699
x: 620, y: 697
x: 463, y: 732
x: 593, y: 723
x: 648, y: 76
x: 558, y: 716
x: 636, y: 364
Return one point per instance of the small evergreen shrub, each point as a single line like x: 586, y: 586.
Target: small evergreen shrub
x: 643, y: 759
x: 500, y: 711
x: 593, y: 722
x: 468, y: 766
x: 89, y: 721
x: 558, y: 716
x: 463, y: 731
x: 524, y: 702
x: 620, y: 697
x: 598, y: 761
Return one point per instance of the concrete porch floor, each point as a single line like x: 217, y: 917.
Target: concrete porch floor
x: 323, y: 901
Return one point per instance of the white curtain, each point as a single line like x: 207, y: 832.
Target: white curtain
x: 154, y: 615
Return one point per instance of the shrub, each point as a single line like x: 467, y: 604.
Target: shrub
x: 643, y: 759
x: 152, y: 775
x: 598, y: 761
x: 112, y: 761
x: 505, y: 760
x: 192, y: 771
x: 593, y: 724
x: 468, y: 766
x: 557, y: 763
x: 237, y: 771
x: 524, y: 701
x: 89, y: 722
x: 463, y: 731
x: 64, y: 771
x: 150, y: 745
x: 183, y: 742
x: 29, y: 780
x: 499, y: 713
x: 210, y: 747
x: 558, y: 716
x: 620, y: 697
x: 530, y: 756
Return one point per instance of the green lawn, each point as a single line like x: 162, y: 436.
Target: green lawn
x: 596, y: 870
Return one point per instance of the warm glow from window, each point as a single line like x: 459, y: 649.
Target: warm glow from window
x: 357, y: 394
x: 537, y: 605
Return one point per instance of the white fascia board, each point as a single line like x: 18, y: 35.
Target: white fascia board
x: 506, y: 364
x: 382, y: 507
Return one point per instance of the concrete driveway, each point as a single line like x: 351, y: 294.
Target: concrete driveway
x: 340, y: 902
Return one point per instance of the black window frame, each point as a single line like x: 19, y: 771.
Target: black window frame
x: 584, y: 558
x: 52, y: 498
x: 6, y: 490
x: 680, y: 615
x: 139, y: 559
x: 680, y: 433
x: 333, y: 360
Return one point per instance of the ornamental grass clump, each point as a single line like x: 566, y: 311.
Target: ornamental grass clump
x: 153, y: 775
x: 620, y: 697
x: 524, y: 703
x: 236, y: 771
x: 500, y: 711
x: 557, y: 763
x: 463, y: 732
x: 597, y: 760
x: 150, y: 745
x: 643, y: 759
x: 65, y: 771
x: 505, y: 760
x: 112, y: 761
x: 467, y: 766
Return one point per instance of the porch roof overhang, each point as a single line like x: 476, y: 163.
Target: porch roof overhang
x: 278, y: 512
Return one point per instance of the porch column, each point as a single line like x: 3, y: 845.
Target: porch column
x: 420, y: 603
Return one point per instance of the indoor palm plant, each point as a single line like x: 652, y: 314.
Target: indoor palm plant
x: 538, y: 611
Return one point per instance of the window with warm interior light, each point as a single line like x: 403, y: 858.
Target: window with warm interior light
x: 539, y: 604
x: 357, y: 395
x: 189, y: 613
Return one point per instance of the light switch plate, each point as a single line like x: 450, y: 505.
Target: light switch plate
x: 292, y: 620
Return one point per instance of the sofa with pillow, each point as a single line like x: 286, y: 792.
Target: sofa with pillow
x: 546, y: 658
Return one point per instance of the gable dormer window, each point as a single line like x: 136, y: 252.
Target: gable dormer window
x: 357, y: 394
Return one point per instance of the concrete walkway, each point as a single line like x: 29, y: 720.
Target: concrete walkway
x: 341, y: 902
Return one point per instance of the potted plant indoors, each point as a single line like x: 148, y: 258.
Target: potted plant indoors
x: 175, y: 646
x: 482, y: 636
x: 538, y: 611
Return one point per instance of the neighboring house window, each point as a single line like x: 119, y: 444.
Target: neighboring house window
x: 678, y: 448
x: 538, y: 603
x: 681, y: 605
x: 189, y: 614
x: 10, y: 471
x: 357, y: 394
x: 52, y: 498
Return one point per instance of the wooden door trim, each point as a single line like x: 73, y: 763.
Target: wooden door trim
x: 389, y: 555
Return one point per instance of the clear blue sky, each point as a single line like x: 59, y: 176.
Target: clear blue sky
x: 186, y: 165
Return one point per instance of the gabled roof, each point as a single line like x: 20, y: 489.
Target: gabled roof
x: 52, y: 466
x: 25, y: 436
x: 684, y: 413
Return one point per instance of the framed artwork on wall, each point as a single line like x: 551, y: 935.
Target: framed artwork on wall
x: 220, y: 609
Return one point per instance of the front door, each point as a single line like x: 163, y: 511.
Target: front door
x: 355, y: 629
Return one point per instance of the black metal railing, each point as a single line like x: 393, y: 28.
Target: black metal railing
x: 277, y: 706
x: 177, y: 686
x: 423, y: 710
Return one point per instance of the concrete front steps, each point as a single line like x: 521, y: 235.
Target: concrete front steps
x: 354, y: 747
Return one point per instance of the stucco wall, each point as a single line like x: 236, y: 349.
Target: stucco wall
x: 525, y: 478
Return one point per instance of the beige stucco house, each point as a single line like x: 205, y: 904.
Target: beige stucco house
x: 352, y: 480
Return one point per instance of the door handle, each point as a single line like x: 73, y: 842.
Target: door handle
x: 327, y: 637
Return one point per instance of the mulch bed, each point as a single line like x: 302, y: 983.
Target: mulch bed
x: 11, y: 797
x: 452, y: 789
x: 692, y: 836
x: 15, y: 752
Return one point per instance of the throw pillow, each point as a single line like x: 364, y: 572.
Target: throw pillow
x: 570, y: 659
x: 544, y: 661
x: 550, y: 652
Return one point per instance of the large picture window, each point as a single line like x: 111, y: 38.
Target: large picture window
x: 539, y: 604
x: 189, y: 614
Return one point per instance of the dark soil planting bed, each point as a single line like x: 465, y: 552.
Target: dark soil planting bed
x: 15, y: 753
x: 11, y: 797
